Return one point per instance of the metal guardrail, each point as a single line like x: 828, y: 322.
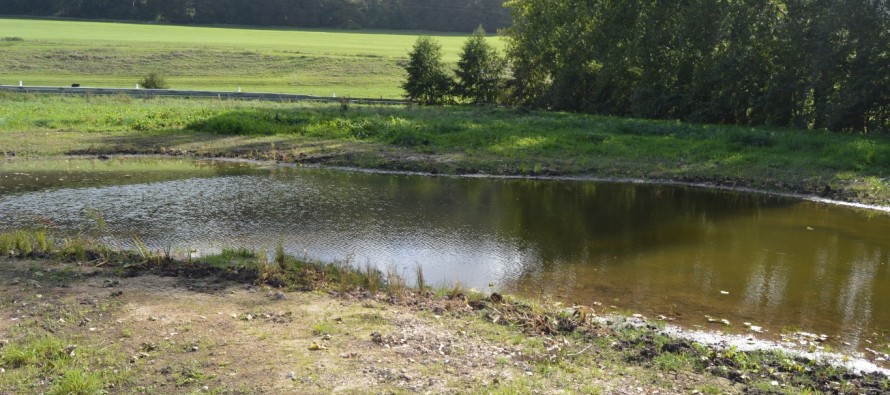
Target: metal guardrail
x: 193, y: 94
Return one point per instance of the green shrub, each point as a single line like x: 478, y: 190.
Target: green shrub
x: 153, y: 80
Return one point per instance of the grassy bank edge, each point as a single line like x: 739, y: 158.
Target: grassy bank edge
x: 455, y: 140
x: 646, y: 345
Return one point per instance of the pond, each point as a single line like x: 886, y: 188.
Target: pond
x: 682, y: 252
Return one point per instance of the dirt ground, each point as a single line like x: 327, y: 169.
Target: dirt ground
x: 168, y: 335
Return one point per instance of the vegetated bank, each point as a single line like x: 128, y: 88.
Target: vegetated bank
x: 87, y: 319
x: 454, y: 140
x: 363, y: 63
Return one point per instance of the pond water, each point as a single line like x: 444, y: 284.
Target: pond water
x: 682, y: 252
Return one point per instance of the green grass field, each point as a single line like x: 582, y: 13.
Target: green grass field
x: 316, y: 62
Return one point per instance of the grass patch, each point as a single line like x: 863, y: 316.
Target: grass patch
x: 30, y: 359
x: 77, y: 382
x: 316, y: 62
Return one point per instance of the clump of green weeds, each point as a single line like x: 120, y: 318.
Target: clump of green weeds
x: 77, y: 382
x: 25, y: 243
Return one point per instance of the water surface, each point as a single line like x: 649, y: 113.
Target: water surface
x: 677, y: 251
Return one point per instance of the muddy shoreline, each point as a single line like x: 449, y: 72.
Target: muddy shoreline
x: 840, y: 197
x: 637, y: 355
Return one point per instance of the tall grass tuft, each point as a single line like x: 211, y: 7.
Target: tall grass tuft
x: 41, y: 242
x: 77, y: 382
x: 7, y: 244
x: 395, y: 282
x: 96, y: 221
x: 280, y: 257
x: 75, y: 249
x: 419, y: 278
x: 373, y: 277
x: 23, y: 243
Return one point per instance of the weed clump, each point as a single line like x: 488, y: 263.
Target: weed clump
x: 154, y: 80
x: 25, y: 243
x: 77, y: 381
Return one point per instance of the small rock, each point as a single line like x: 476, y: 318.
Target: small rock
x: 291, y: 375
x: 724, y: 292
x: 194, y: 348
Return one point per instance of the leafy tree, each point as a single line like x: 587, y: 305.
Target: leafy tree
x: 480, y: 70
x: 428, y: 81
x: 814, y: 64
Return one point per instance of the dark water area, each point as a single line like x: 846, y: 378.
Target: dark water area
x: 682, y: 252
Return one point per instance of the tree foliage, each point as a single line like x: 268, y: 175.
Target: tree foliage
x: 480, y: 70
x: 453, y: 15
x: 428, y: 80
x: 801, y: 63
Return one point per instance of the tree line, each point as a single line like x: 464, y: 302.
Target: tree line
x: 818, y: 64
x: 453, y: 15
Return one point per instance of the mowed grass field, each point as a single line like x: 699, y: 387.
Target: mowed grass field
x: 317, y: 62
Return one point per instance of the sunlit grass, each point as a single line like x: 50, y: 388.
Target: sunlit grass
x: 316, y: 62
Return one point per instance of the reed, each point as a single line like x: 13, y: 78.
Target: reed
x: 420, y: 281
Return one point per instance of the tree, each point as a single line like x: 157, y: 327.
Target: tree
x: 428, y: 81
x: 814, y: 64
x: 480, y: 70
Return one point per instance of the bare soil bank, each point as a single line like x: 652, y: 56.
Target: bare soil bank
x: 166, y: 330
